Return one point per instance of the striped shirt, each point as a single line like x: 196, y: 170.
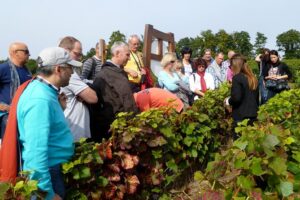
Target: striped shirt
x: 90, y: 68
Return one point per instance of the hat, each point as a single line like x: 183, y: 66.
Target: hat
x: 56, y: 56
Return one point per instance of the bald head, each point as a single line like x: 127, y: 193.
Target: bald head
x: 18, y: 53
x: 17, y: 46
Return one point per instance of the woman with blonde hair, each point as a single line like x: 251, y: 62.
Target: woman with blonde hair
x: 169, y: 80
x: 244, y: 91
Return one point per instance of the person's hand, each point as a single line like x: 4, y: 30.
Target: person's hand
x: 4, y: 107
x: 62, y: 98
x: 57, y: 197
x: 133, y: 74
x: 143, y: 71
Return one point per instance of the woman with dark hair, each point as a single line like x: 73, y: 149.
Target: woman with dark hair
x: 188, y: 67
x: 244, y: 91
x: 201, y: 81
x: 275, y: 70
x: 262, y: 62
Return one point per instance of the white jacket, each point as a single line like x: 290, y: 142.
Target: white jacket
x: 194, y: 80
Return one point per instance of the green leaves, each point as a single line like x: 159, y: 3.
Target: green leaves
x: 256, y: 168
x: 286, y: 188
x: 245, y: 182
x: 278, y: 165
x: 270, y: 141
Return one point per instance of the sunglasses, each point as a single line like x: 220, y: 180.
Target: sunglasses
x: 172, y: 61
x: 26, y: 51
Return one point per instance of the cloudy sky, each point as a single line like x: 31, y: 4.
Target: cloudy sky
x: 41, y: 23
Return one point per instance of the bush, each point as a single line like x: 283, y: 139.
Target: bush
x: 265, y: 161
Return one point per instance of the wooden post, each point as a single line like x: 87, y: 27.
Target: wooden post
x: 102, y: 50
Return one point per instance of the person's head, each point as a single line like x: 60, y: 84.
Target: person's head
x: 73, y: 46
x: 186, y: 53
x: 219, y: 58
x: 120, y: 53
x: 239, y: 65
x: 168, y: 61
x: 133, y: 43
x: 56, y: 64
x: 200, y: 64
x: 230, y: 54
x: 18, y: 53
x: 265, y: 54
x: 207, y: 55
x: 177, y: 65
x: 274, y: 56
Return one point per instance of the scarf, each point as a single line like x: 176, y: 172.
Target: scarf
x: 202, y: 81
x: 14, y: 79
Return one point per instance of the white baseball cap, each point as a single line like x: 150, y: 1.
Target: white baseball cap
x: 56, y: 56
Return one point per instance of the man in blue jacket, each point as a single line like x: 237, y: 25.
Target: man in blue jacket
x: 13, y: 73
x: 45, y: 137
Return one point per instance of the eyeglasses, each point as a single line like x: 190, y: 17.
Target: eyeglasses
x: 201, y: 66
x: 77, y: 54
x: 26, y: 51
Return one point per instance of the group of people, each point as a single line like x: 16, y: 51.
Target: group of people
x: 68, y: 100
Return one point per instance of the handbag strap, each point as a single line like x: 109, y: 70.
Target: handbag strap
x: 137, y: 62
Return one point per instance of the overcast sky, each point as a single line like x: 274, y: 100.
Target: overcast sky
x: 41, y: 23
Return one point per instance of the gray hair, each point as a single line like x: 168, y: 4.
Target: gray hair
x: 133, y: 36
x: 117, y: 46
x: 46, y: 70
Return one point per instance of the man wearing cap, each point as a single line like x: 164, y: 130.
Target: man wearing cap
x: 78, y: 93
x: 12, y: 74
x: 45, y: 137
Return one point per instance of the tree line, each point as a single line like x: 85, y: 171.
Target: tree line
x: 287, y: 42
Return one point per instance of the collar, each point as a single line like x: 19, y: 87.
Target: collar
x: 114, y: 63
x: 41, y: 79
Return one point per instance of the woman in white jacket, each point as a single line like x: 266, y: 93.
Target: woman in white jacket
x: 201, y: 81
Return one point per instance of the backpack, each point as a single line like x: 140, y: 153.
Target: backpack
x: 10, y: 152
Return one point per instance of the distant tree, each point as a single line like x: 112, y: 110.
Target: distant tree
x: 242, y: 43
x: 32, y: 66
x: 209, y: 41
x: 260, y: 42
x: 115, y: 37
x: 2, y: 61
x: 289, y: 43
x: 89, y: 54
x: 141, y: 43
x: 224, y: 41
x: 184, y: 42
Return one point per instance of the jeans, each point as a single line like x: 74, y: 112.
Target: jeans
x: 263, y: 91
x: 57, y: 180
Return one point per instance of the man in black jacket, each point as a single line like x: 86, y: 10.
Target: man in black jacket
x: 113, y: 91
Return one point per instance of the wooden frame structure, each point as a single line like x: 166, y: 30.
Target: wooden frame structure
x: 102, y: 50
x: 150, y: 34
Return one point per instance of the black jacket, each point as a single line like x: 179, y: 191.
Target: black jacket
x: 112, y: 87
x: 243, y: 100
x: 282, y: 69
